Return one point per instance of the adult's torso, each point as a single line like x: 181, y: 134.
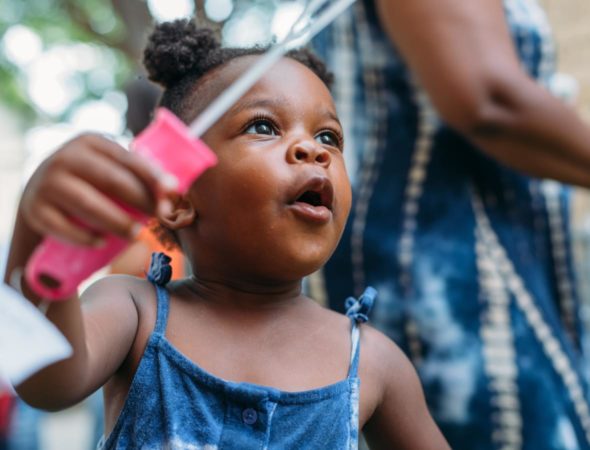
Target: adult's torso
x: 470, y: 258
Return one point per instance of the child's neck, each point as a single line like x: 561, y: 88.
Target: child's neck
x: 246, y: 295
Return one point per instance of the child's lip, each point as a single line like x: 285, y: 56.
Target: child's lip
x: 316, y: 214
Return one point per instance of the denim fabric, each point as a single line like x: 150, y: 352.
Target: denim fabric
x: 173, y: 404
x: 471, y: 259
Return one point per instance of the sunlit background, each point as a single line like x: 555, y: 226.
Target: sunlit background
x: 65, y: 65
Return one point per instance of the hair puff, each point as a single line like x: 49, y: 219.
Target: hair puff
x: 174, y: 50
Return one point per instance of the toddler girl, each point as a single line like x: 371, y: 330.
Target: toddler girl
x: 234, y: 356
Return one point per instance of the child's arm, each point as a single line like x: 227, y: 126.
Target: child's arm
x: 401, y: 419
x: 101, y: 327
x: 80, y: 180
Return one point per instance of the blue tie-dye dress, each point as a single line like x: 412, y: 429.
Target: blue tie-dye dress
x: 471, y: 259
x: 173, y: 404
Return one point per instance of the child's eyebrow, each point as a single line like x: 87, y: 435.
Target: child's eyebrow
x: 271, y: 103
x: 257, y: 103
x: 332, y: 115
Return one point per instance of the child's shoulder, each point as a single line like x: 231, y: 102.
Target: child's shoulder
x: 120, y: 286
x: 384, y: 370
x: 125, y: 294
x: 384, y: 362
x: 374, y: 344
x: 380, y: 350
x: 394, y: 408
x: 130, y: 300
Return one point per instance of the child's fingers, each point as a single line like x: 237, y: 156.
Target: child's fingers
x: 79, y: 199
x: 114, y: 180
x: 88, y: 179
x: 48, y: 220
x: 157, y: 180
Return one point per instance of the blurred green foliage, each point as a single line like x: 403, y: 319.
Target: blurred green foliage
x: 63, y: 22
x: 116, y: 28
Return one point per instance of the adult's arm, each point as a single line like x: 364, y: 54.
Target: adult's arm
x: 463, y: 56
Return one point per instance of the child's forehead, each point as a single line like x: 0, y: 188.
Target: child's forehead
x: 285, y: 77
x: 277, y: 77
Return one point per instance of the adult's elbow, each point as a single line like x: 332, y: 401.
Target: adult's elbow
x: 494, y: 108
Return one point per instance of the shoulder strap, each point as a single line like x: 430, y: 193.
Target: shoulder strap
x: 159, y: 275
x: 358, y: 310
x: 162, y: 314
x: 355, y: 350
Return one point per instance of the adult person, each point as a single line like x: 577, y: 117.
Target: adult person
x: 453, y: 129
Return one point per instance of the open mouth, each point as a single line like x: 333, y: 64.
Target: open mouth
x: 312, y: 198
x: 317, y: 192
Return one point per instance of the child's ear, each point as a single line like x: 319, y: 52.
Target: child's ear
x: 183, y: 213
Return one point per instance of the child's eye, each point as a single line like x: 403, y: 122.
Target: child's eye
x: 329, y: 138
x: 261, y: 127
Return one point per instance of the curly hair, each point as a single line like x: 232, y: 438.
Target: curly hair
x: 179, y: 54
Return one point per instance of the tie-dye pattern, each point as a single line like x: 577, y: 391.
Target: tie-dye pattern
x: 484, y: 306
x: 173, y: 404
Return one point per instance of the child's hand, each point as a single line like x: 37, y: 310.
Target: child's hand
x: 81, y: 180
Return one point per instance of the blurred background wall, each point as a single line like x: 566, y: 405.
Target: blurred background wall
x: 570, y: 19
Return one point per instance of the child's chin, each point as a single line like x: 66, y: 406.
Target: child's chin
x: 305, y: 270
x: 291, y: 263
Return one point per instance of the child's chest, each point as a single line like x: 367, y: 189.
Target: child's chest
x: 281, y: 355
x: 287, y: 354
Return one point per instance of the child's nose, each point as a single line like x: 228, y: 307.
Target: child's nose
x: 309, y: 151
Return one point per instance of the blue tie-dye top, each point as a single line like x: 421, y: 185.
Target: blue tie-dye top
x: 471, y: 259
x: 173, y: 404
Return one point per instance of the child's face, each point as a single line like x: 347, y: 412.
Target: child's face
x: 276, y: 204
